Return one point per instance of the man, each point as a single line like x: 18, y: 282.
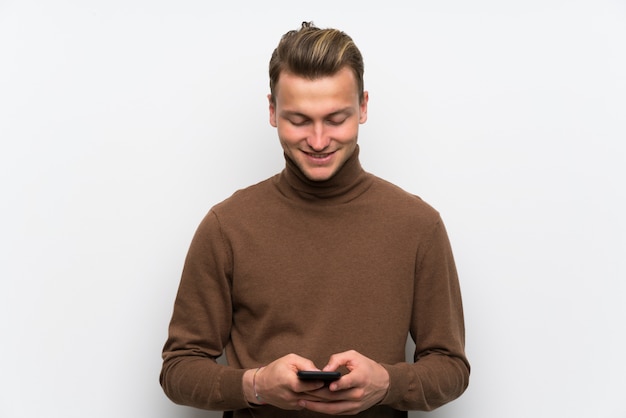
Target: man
x: 321, y: 266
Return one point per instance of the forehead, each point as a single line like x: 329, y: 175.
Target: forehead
x: 339, y: 88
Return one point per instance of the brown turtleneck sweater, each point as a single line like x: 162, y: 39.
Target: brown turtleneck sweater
x: 316, y: 268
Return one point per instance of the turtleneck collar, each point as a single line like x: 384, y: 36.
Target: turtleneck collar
x: 349, y: 182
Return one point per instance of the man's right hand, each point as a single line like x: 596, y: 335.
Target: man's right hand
x: 277, y: 383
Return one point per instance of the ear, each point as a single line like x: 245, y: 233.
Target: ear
x: 272, y: 111
x: 363, y: 107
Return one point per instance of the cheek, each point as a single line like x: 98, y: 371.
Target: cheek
x: 288, y: 134
x: 346, y: 133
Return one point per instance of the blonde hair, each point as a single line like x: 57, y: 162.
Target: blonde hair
x: 312, y: 52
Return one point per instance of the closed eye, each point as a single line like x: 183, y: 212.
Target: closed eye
x: 299, y: 122
x: 336, y: 122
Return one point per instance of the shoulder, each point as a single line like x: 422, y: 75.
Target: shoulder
x: 400, y: 201
x: 246, y: 199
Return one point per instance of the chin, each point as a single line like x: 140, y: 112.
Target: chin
x: 319, y: 175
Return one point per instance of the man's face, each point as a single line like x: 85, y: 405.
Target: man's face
x: 318, y: 120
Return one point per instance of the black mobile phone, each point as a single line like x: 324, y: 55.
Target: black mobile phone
x: 318, y: 375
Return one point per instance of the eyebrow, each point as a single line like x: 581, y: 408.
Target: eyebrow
x: 345, y: 110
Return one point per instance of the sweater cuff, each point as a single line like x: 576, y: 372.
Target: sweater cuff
x: 399, y: 384
x: 231, y: 388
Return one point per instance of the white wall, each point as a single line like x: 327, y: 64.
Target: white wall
x: 122, y: 122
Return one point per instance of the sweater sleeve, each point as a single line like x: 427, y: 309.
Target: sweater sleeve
x: 200, y: 327
x: 440, y: 371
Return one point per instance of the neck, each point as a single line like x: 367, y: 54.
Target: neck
x: 347, y: 183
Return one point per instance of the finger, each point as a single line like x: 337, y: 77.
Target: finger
x: 340, y: 359
x: 331, y: 408
x: 345, y: 383
x: 307, y: 386
x: 300, y: 363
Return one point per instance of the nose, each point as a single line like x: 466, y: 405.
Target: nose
x: 318, y: 140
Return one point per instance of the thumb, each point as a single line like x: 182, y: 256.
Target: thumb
x: 337, y: 360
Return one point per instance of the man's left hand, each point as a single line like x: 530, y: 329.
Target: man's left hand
x: 364, y: 386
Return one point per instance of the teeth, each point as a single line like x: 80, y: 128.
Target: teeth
x: 318, y: 155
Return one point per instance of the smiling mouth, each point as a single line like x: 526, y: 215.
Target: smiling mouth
x: 319, y: 155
